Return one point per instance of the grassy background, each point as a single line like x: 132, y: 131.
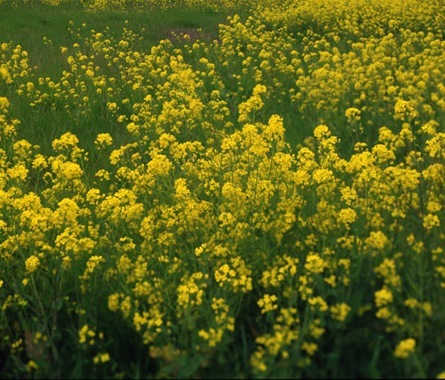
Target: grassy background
x: 30, y: 25
x: 41, y: 30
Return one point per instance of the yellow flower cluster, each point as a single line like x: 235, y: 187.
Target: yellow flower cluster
x: 222, y: 322
x: 358, y: 17
x: 405, y: 348
x: 195, y: 218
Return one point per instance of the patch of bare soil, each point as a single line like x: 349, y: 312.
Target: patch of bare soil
x: 191, y: 34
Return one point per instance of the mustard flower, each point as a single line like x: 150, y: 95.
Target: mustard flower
x: 39, y: 162
x: 314, y: 263
x: 5, y: 75
x: 103, y: 140
x: 86, y: 335
x: 347, y: 216
x: 212, y: 336
x: 309, y: 347
x: 113, y: 302
x: 430, y: 221
x: 67, y: 171
x: 377, y: 241
x: 405, y: 348
x: 353, y: 114
x: 4, y: 103
x: 257, y: 361
x: 18, y: 172
x: 102, y: 357
x: 316, y: 331
x: 254, y: 103
x: 321, y: 132
x: 383, y: 313
x: 32, y: 263
x: 404, y: 110
x: 67, y: 140
x: 318, y: 303
x: 383, y: 297
x: 388, y: 271
x: 340, y: 311
x: 31, y: 365
x: 268, y: 303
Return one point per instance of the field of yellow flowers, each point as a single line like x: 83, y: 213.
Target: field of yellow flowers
x: 269, y: 202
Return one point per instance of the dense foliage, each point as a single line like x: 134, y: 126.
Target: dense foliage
x: 267, y: 203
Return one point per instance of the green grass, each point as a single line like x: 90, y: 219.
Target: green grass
x: 41, y: 31
x: 29, y: 25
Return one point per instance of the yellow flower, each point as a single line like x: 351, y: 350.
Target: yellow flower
x: 318, y: 302
x: 405, y: 348
x: 256, y: 360
x: 113, y: 302
x: 377, y: 241
x: 340, y: 311
x: 92, y: 263
x: 32, y: 263
x: 254, y: 103
x: 4, y: 103
x: 309, y: 347
x: 19, y: 172
x: 430, y: 221
x: 383, y: 297
x: 66, y: 263
x: 268, y: 303
x: 404, y: 110
x: 347, y: 216
x: 102, y: 140
x: 86, y: 335
x: 353, y: 114
x: 101, y: 358
x: 4, y: 74
x: 67, y: 140
x: 212, y: 336
x: 31, y: 365
x: 383, y: 313
x: 321, y: 132
x: 191, y: 291
x: 39, y: 162
x: 314, y: 263
x: 112, y: 106
x: 66, y: 171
